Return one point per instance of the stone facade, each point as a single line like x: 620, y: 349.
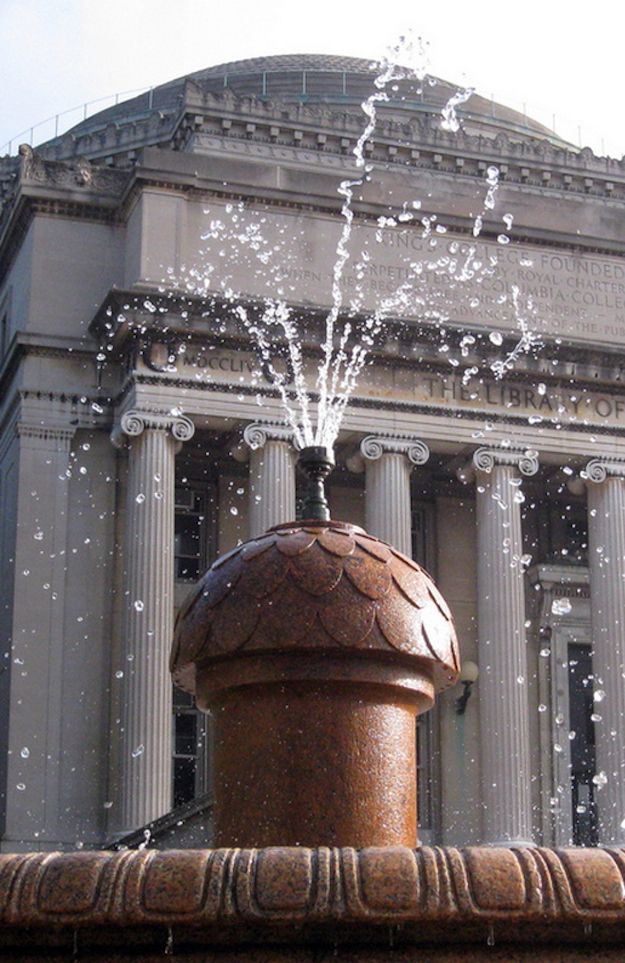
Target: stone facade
x: 133, y: 408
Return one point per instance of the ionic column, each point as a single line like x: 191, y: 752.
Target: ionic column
x: 144, y: 790
x: 606, y: 531
x: 504, y: 713
x: 272, y: 476
x: 389, y: 462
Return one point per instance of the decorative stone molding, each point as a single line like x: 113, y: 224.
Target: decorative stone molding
x: 134, y: 422
x: 525, y: 459
x: 599, y: 469
x: 544, y: 894
x: 257, y: 434
x: 74, y: 174
x: 46, y: 432
x: 374, y: 446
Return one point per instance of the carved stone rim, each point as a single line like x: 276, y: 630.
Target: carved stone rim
x: 214, y: 891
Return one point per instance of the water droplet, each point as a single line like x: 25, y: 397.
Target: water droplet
x: 108, y: 804
x: 140, y: 498
x: 119, y: 674
x: 234, y: 510
x: 20, y: 787
x: 600, y: 779
x: 138, y: 605
x: 542, y: 707
x: 545, y: 653
x: 138, y: 751
x: 25, y: 752
x: 38, y: 535
x: 598, y: 695
x: 561, y: 607
x: 503, y: 239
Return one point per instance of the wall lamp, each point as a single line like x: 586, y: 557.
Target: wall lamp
x: 469, y: 673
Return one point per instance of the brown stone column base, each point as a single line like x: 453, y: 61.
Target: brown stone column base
x: 312, y: 760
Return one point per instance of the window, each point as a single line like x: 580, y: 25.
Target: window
x: 582, y: 745
x: 423, y: 552
x: 194, y: 528
x: 4, y: 334
x: 194, y: 549
x: 191, y: 749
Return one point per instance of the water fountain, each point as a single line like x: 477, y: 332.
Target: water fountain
x: 315, y: 645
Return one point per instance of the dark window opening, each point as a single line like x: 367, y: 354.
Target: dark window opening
x: 194, y: 533
x: 583, y: 758
x: 187, y: 742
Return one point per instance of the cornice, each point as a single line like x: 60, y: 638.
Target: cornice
x: 62, y: 435
x: 310, y: 135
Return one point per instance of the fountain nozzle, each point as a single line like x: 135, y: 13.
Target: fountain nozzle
x: 316, y: 462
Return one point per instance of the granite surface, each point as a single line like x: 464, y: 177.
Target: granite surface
x: 304, y: 904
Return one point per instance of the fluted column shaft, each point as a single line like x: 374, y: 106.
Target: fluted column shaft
x: 272, y: 478
x: 387, y: 505
x: 389, y: 462
x: 504, y: 720
x: 606, y: 525
x: 145, y: 778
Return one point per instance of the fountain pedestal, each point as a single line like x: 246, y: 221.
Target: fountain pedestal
x: 314, y: 647
x: 314, y: 751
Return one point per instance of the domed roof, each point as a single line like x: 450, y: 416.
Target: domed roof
x: 319, y: 585
x: 320, y: 78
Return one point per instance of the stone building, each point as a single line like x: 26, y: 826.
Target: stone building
x: 139, y: 436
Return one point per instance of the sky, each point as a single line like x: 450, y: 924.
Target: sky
x: 556, y: 58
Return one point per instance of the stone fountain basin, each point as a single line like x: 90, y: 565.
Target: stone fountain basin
x: 297, y: 903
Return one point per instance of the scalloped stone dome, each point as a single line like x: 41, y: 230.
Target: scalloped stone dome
x: 315, y: 585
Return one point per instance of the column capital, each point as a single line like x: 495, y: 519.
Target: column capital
x: 258, y: 433
x: 134, y: 421
x: 598, y: 469
x: 374, y: 446
x: 525, y: 459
